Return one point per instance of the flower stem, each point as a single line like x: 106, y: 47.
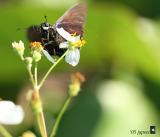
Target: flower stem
x: 37, y: 100
x: 41, y: 124
x: 38, y: 109
x: 51, y: 68
x: 39, y: 115
x: 31, y: 77
x: 4, y: 132
x: 60, y: 115
x: 35, y: 74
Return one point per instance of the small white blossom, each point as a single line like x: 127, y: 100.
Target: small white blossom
x: 19, y: 48
x: 63, y: 45
x: 10, y: 114
x: 73, y: 57
x: 73, y: 43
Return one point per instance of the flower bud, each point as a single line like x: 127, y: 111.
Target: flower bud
x: 36, y: 56
x: 28, y: 134
x: 74, y: 89
x: 76, y: 80
x: 19, y: 48
x: 35, y: 101
x: 28, y: 61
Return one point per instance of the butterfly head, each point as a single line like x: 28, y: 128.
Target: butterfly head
x: 45, y: 26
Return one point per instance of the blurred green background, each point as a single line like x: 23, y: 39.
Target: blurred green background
x: 121, y: 61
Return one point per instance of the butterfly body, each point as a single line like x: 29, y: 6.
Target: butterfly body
x: 49, y: 38
x: 72, y: 22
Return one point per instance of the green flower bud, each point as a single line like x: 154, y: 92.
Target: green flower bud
x: 35, y: 101
x: 74, y: 89
x: 36, y: 56
x: 28, y: 61
x: 76, y: 80
x: 28, y: 134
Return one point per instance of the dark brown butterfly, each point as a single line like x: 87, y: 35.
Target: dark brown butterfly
x: 72, y: 22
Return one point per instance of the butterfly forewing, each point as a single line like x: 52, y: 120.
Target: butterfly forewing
x: 73, y: 20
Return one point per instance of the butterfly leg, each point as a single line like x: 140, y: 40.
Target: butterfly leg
x: 45, y: 41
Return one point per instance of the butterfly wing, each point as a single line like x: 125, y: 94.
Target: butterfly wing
x: 73, y: 20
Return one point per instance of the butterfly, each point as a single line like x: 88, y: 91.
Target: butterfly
x: 54, y: 37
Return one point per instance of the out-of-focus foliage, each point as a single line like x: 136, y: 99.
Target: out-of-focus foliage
x: 148, y: 8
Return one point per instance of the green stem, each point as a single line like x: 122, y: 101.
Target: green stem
x: 39, y: 115
x: 31, y: 77
x: 60, y: 115
x: 51, y: 68
x: 41, y: 124
x: 4, y: 132
x: 35, y: 74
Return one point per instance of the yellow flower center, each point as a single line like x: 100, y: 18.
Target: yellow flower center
x: 79, y: 43
x: 74, y: 34
x: 36, y: 46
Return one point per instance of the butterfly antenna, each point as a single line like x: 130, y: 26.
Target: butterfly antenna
x: 45, y: 18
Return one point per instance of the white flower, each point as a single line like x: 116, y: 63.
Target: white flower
x: 10, y: 114
x: 73, y: 43
x: 19, y: 48
x: 63, y: 45
x: 73, y: 57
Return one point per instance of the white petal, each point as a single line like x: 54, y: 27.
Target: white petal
x: 10, y: 114
x: 73, y: 57
x: 21, y: 44
x: 48, y: 56
x: 67, y: 35
x: 63, y: 45
x: 18, y: 46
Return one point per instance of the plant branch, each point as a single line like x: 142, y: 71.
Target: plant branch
x: 4, y: 132
x: 51, y: 68
x: 37, y: 105
x: 31, y: 77
x: 41, y: 123
x: 60, y: 115
x: 35, y: 74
